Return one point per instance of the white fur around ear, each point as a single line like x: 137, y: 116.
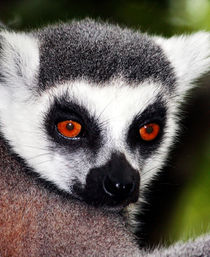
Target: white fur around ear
x: 19, y: 58
x: 189, y: 55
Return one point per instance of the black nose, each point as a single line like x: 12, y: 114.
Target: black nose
x: 115, y: 184
x: 120, y: 182
x: 118, y: 189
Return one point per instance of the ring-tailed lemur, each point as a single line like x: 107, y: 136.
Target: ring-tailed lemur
x: 92, y: 107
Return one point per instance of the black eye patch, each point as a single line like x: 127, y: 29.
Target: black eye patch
x: 63, y: 110
x: 154, y: 113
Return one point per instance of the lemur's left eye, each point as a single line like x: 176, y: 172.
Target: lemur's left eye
x: 69, y: 128
x: 149, y: 131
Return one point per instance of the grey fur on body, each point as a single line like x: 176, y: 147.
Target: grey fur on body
x: 36, y: 222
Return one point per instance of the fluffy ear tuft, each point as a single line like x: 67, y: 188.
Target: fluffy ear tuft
x: 19, y: 59
x: 189, y: 55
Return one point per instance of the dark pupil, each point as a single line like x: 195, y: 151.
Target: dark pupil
x: 70, y: 126
x: 149, y: 130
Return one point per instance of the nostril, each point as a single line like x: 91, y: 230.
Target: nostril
x: 117, y: 189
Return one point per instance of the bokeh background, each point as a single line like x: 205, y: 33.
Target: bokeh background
x: 179, y: 201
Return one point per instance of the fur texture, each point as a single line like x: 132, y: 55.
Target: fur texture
x: 37, y: 222
x: 115, y: 51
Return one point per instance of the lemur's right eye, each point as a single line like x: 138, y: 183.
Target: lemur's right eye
x: 69, y: 128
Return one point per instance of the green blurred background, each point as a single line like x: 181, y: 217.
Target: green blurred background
x: 178, y: 202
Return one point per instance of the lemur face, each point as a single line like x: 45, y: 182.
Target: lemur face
x: 93, y: 108
x: 102, y: 138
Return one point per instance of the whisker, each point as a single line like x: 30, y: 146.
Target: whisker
x: 39, y: 155
x: 45, y: 161
x: 143, y: 174
x: 106, y: 106
x: 36, y: 147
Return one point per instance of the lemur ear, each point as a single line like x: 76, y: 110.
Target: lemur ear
x: 190, y: 57
x: 19, y: 59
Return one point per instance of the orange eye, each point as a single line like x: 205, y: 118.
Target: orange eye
x: 69, y: 128
x: 149, y: 131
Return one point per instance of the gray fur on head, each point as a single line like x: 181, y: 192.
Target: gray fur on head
x: 36, y: 222
x: 99, y: 52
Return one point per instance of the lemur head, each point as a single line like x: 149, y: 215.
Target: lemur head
x: 92, y: 107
